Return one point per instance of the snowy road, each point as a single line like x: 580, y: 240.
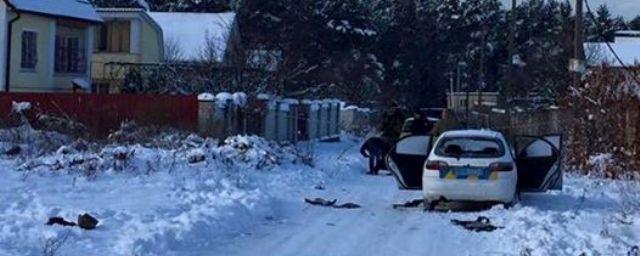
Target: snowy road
x: 567, y: 223
x: 246, y: 198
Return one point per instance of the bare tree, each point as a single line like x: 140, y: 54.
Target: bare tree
x: 172, y: 51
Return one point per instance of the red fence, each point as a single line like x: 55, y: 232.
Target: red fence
x: 103, y: 113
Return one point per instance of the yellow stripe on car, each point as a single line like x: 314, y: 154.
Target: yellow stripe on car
x: 451, y: 176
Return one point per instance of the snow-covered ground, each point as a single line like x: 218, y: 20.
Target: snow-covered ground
x: 246, y: 198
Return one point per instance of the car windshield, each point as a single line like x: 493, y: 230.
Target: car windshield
x: 470, y: 147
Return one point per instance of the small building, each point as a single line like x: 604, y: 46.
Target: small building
x: 46, y: 45
x: 128, y: 35
x: 459, y: 100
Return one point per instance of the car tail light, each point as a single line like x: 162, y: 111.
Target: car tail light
x: 501, y: 167
x: 436, y: 165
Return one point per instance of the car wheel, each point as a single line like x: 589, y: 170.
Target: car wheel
x: 514, y: 201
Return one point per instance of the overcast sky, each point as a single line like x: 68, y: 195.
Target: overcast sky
x: 626, y: 8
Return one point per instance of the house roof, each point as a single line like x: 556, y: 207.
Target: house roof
x: 74, y: 9
x: 599, y: 53
x: 191, y: 32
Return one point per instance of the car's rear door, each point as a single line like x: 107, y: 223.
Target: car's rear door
x: 539, y: 162
x: 406, y: 160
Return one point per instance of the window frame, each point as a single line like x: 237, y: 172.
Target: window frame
x: 63, y: 59
x: 26, y: 67
x: 106, y: 37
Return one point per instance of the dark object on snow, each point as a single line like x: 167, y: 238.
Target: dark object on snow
x: 13, y: 151
x: 348, y: 206
x: 410, y: 204
x: 331, y: 203
x: 86, y: 221
x: 321, y: 202
x: 375, y: 148
x: 194, y: 159
x: 482, y: 224
x: 635, y: 251
x: 319, y: 187
x: 60, y: 221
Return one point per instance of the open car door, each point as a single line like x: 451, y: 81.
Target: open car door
x: 406, y: 160
x: 539, y: 162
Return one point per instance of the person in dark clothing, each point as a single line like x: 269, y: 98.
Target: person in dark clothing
x: 392, y: 122
x: 375, y: 148
x: 420, y: 125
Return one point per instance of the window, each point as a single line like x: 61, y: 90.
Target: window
x: 70, y: 56
x: 29, y: 50
x: 113, y: 36
x: 470, y: 147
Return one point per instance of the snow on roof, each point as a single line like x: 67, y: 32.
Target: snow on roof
x: 599, y: 53
x: 628, y: 32
x: 193, y: 31
x: 76, y: 9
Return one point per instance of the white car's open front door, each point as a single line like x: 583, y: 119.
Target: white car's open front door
x: 539, y: 162
x: 406, y: 160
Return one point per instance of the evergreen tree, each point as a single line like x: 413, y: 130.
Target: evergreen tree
x: 634, y: 24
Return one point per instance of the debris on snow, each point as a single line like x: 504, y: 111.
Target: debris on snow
x: 482, y: 224
x: 60, y: 221
x: 321, y: 202
x: 347, y: 206
x: 410, y: 204
x: 331, y: 203
x: 196, y: 156
x: 88, y: 222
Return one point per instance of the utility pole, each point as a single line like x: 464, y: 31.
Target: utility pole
x: 482, y: 63
x: 451, y: 90
x: 577, y: 64
x: 458, y: 87
x: 512, y: 50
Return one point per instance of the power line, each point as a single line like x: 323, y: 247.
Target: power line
x: 615, y: 54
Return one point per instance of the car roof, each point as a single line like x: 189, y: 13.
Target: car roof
x: 472, y: 133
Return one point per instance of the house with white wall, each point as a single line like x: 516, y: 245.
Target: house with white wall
x: 45, y: 45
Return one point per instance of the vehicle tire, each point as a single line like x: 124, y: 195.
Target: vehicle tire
x: 515, y: 201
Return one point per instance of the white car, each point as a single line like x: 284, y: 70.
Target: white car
x: 476, y: 165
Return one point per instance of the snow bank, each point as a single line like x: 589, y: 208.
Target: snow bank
x: 149, y: 200
x: 206, y: 97
x: 20, y: 107
x: 239, y: 99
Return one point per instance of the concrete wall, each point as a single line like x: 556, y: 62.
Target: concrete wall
x: 281, y: 120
